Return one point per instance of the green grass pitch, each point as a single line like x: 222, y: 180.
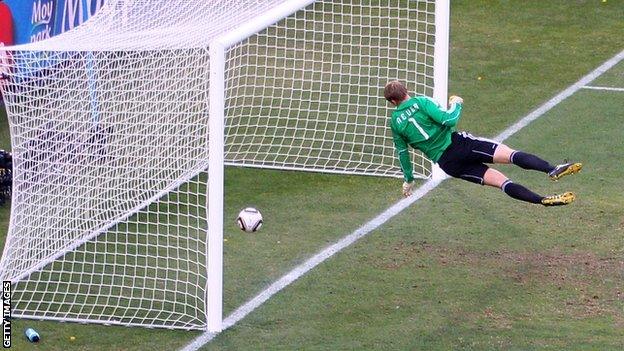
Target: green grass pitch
x: 464, y: 268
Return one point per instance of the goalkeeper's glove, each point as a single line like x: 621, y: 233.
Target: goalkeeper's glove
x: 407, y: 188
x: 454, y: 99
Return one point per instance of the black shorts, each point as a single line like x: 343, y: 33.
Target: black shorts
x: 466, y: 157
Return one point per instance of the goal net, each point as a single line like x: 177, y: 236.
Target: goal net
x: 117, y: 190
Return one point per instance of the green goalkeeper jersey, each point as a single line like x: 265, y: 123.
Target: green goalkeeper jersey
x: 421, y: 123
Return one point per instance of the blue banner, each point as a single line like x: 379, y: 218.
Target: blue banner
x: 36, y: 20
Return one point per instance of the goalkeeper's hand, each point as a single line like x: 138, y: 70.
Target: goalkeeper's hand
x: 407, y: 188
x: 454, y: 99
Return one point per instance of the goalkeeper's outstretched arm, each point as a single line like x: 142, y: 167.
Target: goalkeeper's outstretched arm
x: 405, y: 160
x: 448, y: 117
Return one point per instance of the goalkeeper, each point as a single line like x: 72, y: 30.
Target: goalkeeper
x: 422, y: 124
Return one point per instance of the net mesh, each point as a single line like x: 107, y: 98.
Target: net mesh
x: 109, y: 127
x: 307, y: 93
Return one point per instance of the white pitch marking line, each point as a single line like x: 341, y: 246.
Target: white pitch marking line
x: 395, y: 209
x: 603, y: 88
x: 560, y: 97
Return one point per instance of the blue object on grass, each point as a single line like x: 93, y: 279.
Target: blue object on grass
x: 32, y: 335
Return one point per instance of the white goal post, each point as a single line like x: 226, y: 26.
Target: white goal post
x: 121, y: 128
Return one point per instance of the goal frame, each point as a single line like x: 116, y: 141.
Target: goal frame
x: 217, y: 53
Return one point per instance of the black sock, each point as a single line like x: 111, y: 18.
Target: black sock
x: 519, y: 192
x: 528, y: 161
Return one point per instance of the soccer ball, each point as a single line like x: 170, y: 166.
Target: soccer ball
x: 249, y: 219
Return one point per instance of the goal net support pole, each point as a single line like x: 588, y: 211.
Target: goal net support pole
x: 216, y: 140
x: 441, y: 64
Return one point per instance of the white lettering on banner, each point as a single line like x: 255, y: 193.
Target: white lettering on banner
x: 46, y: 33
x: 71, y: 11
x: 42, y: 12
x: 42, y: 15
x: 98, y: 5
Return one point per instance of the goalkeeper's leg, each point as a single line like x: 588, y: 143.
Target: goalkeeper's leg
x: 505, y: 154
x: 497, y: 179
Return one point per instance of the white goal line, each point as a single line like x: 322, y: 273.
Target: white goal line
x: 395, y: 209
x: 603, y: 88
